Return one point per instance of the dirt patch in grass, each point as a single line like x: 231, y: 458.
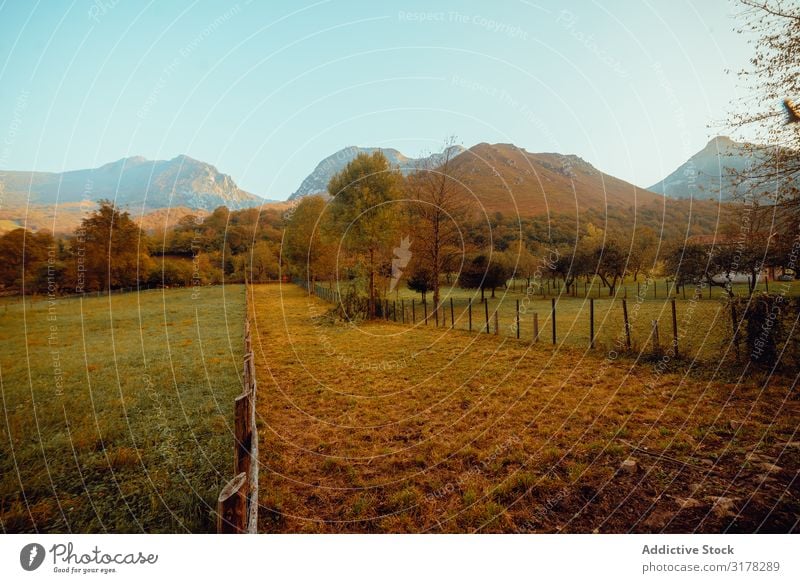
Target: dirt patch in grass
x: 380, y: 427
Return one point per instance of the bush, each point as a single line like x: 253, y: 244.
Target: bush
x: 767, y: 323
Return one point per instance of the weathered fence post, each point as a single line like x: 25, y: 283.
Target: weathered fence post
x: 674, y: 329
x: 496, y: 325
x: 627, y: 325
x: 553, y: 317
x: 591, y: 323
x: 486, y: 313
x: 517, y: 321
x: 243, y: 433
x: 656, y: 343
x: 535, y: 327
x: 232, y: 506
x: 452, y: 315
x: 470, y: 314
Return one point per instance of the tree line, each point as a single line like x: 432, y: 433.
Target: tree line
x: 380, y: 230
x: 108, y: 250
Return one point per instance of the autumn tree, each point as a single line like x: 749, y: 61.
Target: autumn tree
x: 264, y: 261
x: 362, y: 213
x: 440, y: 208
x: 302, y: 239
x: 24, y: 254
x: 766, y: 111
x: 110, y: 249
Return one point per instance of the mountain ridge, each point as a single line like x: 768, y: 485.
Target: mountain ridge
x: 317, y: 181
x: 132, y: 181
x: 706, y: 175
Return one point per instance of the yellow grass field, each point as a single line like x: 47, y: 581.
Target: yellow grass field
x: 384, y: 427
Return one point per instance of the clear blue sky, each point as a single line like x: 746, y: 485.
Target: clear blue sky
x: 265, y: 90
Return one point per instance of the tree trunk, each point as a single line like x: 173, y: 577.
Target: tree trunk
x: 435, y: 271
x: 371, y: 284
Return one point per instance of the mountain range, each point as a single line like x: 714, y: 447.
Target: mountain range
x: 502, y: 177
x: 135, y: 182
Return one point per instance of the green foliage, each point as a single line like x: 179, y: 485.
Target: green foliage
x: 363, y: 216
x: 481, y: 273
x: 420, y: 281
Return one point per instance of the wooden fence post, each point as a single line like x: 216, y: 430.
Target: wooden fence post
x: 518, y: 326
x: 674, y: 329
x: 591, y: 323
x: 627, y: 325
x: 535, y: 327
x: 394, y: 310
x: 425, y: 305
x: 496, y: 325
x: 553, y: 302
x: 470, y: 314
x: 243, y: 432
x: 656, y: 343
x: 452, y: 315
x: 232, y: 506
x: 486, y: 313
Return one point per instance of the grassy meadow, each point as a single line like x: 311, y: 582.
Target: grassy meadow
x: 117, y: 410
x: 379, y: 427
x: 704, y: 329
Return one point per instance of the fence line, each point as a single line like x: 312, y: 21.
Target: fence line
x: 463, y: 317
x: 237, y: 505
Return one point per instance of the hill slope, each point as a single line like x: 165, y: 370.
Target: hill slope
x: 567, y: 193
x: 507, y: 179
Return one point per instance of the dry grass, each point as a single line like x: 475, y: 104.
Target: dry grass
x: 387, y: 428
